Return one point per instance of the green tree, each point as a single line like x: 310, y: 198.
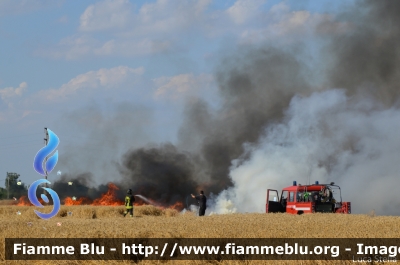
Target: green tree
x: 14, y: 187
x: 3, y: 194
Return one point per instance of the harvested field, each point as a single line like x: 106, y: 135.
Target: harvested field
x: 8, y: 202
x: 151, y: 222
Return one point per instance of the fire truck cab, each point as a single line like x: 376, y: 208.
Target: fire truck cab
x: 315, y: 198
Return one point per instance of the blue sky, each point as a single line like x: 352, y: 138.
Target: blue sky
x: 123, y: 70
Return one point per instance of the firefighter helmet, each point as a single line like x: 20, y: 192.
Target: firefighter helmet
x: 129, y: 192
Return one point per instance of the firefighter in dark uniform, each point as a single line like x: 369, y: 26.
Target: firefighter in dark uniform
x: 129, y: 200
x: 202, y: 200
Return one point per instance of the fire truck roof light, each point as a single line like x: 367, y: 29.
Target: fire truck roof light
x: 316, y: 182
x: 294, y: 183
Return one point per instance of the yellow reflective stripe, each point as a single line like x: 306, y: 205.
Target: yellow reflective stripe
x: 128, y: 203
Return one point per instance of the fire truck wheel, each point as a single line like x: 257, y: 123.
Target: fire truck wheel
x: 300, y: 212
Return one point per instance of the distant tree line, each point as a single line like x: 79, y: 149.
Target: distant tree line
x: 13, y: 187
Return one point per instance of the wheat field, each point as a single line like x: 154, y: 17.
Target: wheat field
x: 152, y: 222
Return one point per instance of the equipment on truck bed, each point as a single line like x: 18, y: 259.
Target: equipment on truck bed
x: 315, y: 198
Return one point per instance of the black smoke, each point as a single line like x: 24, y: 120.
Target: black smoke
x: 365, y: 58
x: 161, y: 173
x: 256, y: 87
x: 81, y: 187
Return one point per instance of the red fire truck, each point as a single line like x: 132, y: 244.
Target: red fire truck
x: 314, y: 198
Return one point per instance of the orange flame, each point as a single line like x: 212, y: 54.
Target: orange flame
x: 69, y: 201
x: 109, y: 198
x: 177, y: 206
x: 23, y: 201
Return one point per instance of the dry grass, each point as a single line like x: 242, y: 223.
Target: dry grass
x: 8, y: 202
x: 151, y: 222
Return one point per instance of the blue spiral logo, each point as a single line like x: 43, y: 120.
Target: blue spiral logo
x: 35, y: 201
x: 44, y: 170
x: 44, y: 152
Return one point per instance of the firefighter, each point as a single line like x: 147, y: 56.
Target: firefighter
x: 129, y: 199
x: 299, y: 196
x: 202, y: 200
x: 306, y: 196
x: 315, y: 196
x: 326, y: 195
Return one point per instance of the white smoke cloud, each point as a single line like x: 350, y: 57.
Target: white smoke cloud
x: 326, y: 137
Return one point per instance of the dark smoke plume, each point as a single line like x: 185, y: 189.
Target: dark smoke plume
x: 257, y: 88
x: 366, y: 57
x: 346, y: 136
x: 161, y: 173
x: 81, y: 187
x: 255, y: 91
